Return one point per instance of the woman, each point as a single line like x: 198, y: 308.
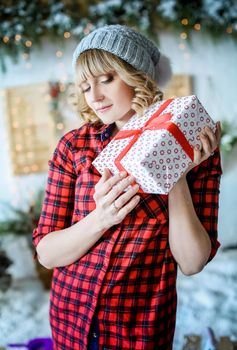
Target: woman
x: 114, y: 252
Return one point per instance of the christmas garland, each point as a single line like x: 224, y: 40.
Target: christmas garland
x: 24, y: 24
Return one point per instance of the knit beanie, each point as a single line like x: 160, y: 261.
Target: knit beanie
x: 132, y: 47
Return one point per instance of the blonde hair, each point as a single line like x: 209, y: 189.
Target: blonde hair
x: 94, y: 62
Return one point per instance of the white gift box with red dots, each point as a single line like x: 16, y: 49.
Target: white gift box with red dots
x: 157, y: 147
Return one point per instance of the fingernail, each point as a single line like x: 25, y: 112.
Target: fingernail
x: 122, y: 173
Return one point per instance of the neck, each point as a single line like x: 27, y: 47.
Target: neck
x: 120, y: 123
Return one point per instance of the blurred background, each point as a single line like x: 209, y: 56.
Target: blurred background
x: 37, y: 39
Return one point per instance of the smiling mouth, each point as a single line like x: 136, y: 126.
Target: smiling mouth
x: 103, y: 109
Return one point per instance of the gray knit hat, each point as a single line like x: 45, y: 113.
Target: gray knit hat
x: 131, y: 46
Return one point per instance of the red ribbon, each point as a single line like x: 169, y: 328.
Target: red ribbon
x: 154, y: 123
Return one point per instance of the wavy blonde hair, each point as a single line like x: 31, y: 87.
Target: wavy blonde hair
x: 94, y: 62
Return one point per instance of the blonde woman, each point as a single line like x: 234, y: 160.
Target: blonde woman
x: 114, y: 252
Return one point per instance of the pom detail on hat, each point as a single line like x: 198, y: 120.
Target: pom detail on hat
x: 163, y: 71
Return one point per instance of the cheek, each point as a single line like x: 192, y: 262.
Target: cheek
x: 128, y: 96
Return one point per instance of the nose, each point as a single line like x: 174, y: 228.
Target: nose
x: 96, y: 94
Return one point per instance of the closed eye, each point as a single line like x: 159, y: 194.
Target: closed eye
x: 86, y: 90
x: 108, y: 80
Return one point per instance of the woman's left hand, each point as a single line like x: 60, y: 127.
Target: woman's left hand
x: 210, y: 141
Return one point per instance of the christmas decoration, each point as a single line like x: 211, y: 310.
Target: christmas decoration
x: 55, y: 91
x: 24, y: 24
x: 21, y: 221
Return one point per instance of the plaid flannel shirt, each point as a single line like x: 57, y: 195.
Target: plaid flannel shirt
x: 128, y: 278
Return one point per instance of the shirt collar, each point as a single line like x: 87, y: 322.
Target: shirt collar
x: 104, y: 132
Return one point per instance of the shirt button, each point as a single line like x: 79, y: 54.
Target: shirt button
x: 106, y: 135
x: 95, y: 335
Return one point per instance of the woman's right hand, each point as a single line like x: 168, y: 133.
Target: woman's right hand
x: 112, y: 202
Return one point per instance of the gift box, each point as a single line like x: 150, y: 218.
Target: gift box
x: 157, y: 147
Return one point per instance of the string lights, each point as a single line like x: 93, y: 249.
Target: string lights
x: 217, y: 20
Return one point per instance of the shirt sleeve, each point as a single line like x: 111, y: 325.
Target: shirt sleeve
x: 204, y: 184
x: 58, y: 204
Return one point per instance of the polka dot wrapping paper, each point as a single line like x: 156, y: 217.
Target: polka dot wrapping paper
x: 157, y: 148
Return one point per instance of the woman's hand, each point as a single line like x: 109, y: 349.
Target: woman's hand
x: 112, y: 203
x: 210, y: 142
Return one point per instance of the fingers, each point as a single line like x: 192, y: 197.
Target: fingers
x: 115, y: 196
x: 119, y: 188
x: 208, y: 140
x: 107, y: 181
x: 125, y: 197
x: 197, y: 153
x: 125, y: 210
x: 106, y: 175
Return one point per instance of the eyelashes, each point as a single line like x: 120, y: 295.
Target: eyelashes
x: 108, y: 80
x: 85, y: 90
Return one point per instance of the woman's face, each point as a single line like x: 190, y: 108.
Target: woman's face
x: 109, y: 97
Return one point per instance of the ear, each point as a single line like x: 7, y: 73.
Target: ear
x: 163, y: 71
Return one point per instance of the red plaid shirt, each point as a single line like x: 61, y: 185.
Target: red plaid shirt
x: 128, y: 278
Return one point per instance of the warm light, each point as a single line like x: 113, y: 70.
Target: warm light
x: 67, y: 35
x: 183, y: 35
x: 59, y: 53
x: 197, y: 26
x: 17, y: 37
x: 15, y: 125
x: 28, y: 43
x: 229, y: 30
x: 88, y: 28
x: 60, y: 126
x: 34, y: 167
x: 184, y: 21
x: 181, y: 46
x: 18, y: 147
x: 5, y: 39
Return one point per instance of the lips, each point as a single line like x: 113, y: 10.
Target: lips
x: 103, y: 109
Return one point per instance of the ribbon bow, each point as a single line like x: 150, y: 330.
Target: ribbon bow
x: 156, y: 122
